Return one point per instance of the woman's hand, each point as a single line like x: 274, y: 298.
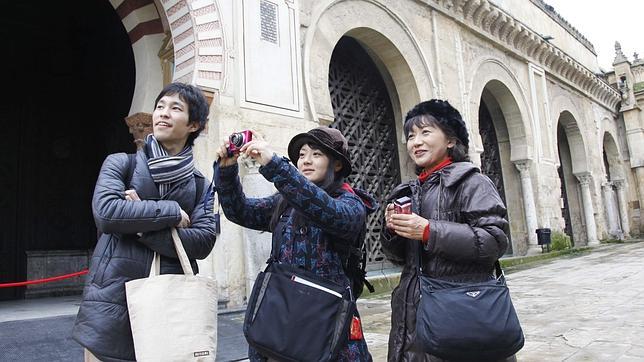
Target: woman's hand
x: 258, y: 149
x: 388, y: 212
x: 410, y: 226
x: 225, y: 159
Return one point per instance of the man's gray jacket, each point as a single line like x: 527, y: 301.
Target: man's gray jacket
x: 102, y: 325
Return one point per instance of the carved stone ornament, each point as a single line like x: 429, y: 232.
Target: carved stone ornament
x: 619, y: 55
x: 140, y: 125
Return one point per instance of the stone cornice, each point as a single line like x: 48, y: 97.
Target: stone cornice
x: 550, y: 11
x: 499, y: 26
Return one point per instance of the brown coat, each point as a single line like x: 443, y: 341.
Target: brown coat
x: 468, y: 233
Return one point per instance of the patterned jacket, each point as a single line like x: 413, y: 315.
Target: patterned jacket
x: 327, y: 219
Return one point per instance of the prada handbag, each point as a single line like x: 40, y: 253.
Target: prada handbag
x: 295, y: 315
x: 173, y: 316
x: 468, y: 321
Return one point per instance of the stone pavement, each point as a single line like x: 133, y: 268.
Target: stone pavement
x: 578, y: 308
x: 587, y: 307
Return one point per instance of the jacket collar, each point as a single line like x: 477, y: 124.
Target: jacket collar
x: 454, y: 173
x: 142, y: 180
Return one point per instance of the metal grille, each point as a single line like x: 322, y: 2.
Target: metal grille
x: 490, y: 158
x: 364, y: 114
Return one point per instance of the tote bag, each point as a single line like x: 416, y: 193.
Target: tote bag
x: 467, y: 321
x: 173, y: 316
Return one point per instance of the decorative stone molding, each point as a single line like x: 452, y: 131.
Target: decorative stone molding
x: 619, y: 184
x: 584, y: 179
x: 140, y: 125
x: 197, y: 35
x: 619, y: 55
x: 139, y: 17
x: 500, y: 27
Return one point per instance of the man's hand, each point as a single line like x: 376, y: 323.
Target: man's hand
x: 131, y: 195
x: 185, y: 220
x: 410, y: 226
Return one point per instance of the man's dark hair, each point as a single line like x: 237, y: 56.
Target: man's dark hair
x: 197, y: 105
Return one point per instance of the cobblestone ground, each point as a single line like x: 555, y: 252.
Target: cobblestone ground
x: 580, y: 308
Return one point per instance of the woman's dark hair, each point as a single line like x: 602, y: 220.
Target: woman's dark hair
x: 458, y: 153
x: 197, y: 105
x: 332, y: 183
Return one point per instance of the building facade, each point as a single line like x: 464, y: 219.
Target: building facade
x: 561, y: 140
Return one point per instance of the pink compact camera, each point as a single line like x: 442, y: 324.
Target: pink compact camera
x: 238, y: 140
x: 402, y: 205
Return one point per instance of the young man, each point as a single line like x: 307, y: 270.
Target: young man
x: 136, y: 203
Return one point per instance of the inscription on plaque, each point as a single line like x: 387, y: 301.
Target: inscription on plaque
x: 268, y: 15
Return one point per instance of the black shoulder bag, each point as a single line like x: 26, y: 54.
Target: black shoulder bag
x: 295, y: 315
x: 467, y: 321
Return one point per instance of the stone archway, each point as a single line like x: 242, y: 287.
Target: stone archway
x: 64, y: 114
x: 386, y: 37
x: 576, y: 180
x: 197, y: 34
x: 502, y: 146
x: 616, y: 210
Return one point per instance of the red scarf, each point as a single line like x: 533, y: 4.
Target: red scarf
x: 425, y: 174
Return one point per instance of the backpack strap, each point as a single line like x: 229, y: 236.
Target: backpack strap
x: 131, y: 158
x: 346, y: 251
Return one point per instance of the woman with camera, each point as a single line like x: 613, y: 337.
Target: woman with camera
x: 456, y: 224
x: 313, y: 212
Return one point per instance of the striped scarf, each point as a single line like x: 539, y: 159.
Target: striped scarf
x: 167, y: 170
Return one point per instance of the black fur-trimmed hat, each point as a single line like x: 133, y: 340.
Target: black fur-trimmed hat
x: 445, y: 114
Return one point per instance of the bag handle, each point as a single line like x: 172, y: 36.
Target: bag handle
x: 155, y: 268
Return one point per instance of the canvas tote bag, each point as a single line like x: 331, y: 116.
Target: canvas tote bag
x: 173, y: 316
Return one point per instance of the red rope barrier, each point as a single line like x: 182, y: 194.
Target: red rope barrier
x: 44, y: 280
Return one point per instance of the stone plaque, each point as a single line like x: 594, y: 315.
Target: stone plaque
x: 268, y: 16
x: 271, y: 73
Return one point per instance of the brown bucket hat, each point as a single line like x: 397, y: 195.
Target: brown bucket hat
x: 329, y: 139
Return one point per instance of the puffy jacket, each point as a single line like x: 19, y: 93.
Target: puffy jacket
x: 468, y: 233
x: 102, y: 324
x: 326, y: 220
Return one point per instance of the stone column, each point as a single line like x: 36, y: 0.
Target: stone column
x: 257, y: 245
x: 623, y: 207
x: 639, y: 172
x: 611, y: 211
x: 589, y: 212
x: 528, y: 205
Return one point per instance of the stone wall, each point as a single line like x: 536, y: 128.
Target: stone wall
x: 424, y: 49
